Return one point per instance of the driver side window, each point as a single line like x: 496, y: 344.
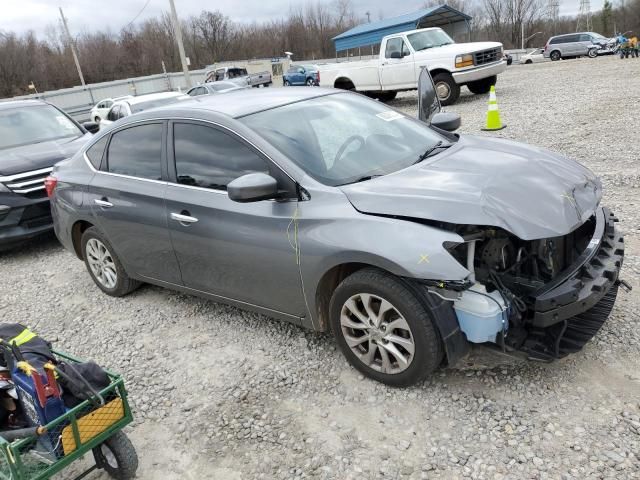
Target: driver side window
x: 396, y: 45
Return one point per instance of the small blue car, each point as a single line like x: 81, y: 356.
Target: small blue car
x: 302, y: 75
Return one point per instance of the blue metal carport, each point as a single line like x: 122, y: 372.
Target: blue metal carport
x: 373, y: 32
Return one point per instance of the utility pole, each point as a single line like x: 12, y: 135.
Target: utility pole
x: 368, y: 14
x: 178, y: 30
x: 73, y: 46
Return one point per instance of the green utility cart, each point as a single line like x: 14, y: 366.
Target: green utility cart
x: 92, y: 426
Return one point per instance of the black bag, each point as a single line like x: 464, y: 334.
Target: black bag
x: 75, y: 381
x: 34, y: 349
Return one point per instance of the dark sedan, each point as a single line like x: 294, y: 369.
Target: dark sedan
x: 34, y: 135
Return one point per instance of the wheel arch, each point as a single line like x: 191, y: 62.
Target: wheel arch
x: 78, y: 228
x: 344, y: 83
x: 454, y: 342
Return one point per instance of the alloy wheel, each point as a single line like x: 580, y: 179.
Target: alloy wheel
x: 377, y: 333
x: 101, y: 263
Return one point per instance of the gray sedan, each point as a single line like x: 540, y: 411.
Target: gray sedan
x: 213, y: 88
x: 337, y: 213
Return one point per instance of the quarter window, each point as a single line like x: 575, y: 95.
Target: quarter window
x: 95, y: 151
x: 209, y: 158
x: 137, y: 152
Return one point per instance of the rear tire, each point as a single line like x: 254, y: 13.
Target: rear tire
x: 310, y: 83
x: 555, y: 56
x: 405, y: 321
x: 480, y: 87
x: 447, y: 89
x: 386, y: 96
x: 104, y: 266
x: 117, y: 456
x: 528, y: 62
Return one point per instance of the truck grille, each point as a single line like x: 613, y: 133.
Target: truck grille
x: 27, y: 183
x: 487, y: 56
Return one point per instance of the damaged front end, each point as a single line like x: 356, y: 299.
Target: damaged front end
x: 552, y: 295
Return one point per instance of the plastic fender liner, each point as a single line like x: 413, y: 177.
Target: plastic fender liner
x: 454, y: 342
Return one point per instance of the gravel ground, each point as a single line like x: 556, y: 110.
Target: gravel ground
x: 224, y: 394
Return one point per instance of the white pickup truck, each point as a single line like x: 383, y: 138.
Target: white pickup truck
x: 402, y: 57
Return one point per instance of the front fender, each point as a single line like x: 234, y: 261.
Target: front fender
x: 402, y: 247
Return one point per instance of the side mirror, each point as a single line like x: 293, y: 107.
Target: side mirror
x: 396, y: 55
x: 91, y: 127
x: 448, y: 121
x: 252, y: 187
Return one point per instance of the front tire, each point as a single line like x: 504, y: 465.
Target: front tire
x: 592, y: 53
x: 447, y: 89
x: 383, y: 329
x: 117, y: 456
x: 97, y: 119
x: 104, y: 266
x: 480, y: 87
x: 286, y: 83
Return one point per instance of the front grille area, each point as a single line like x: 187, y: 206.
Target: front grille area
x: 487, y: 56
x: 30, y: 184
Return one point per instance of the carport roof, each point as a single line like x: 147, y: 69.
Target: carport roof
x: 373, y: 32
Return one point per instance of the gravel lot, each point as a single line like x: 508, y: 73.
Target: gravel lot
x: 224, y: 394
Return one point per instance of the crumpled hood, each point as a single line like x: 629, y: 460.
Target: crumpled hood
x: 528, y: 191
x: 39, y: 155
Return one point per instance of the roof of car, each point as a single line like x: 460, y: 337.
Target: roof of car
x: 247, y: 101
x: 20, y: 103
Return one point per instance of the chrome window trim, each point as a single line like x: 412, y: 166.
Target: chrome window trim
x: 151, y: 120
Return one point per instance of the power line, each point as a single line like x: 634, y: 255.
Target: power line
x: 136, y: 17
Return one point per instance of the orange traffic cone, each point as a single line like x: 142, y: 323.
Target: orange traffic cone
x: 493, y: 115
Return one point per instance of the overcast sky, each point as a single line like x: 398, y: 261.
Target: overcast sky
x: 22, y: 15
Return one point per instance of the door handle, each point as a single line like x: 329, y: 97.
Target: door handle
x: 103, y: 203
x: 180, y: 217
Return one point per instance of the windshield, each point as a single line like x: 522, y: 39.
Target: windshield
x: 34, y: 124
x: 429, y: 39
x: 343, y: 138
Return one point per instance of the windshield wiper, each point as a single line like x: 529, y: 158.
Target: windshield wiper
x: 430, y: 151
x: 361, y: 179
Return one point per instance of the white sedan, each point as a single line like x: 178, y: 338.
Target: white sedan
x: 100, y: 109
x: 131, y: 105
x: 536, y: 56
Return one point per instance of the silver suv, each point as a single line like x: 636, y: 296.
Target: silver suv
x: 574, y: 45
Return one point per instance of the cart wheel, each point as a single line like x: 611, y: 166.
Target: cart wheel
x: 117, y: 457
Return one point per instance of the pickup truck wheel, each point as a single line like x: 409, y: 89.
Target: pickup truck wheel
x: 387, y: 96
x: 383, y: 329
x: 447, y: 89
x: 482, y: 86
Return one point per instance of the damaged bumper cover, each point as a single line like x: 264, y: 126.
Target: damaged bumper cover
x: 587, y: 280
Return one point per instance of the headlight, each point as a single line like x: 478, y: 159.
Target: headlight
x: 464, y: 60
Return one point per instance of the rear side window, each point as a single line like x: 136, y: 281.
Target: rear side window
x: 555, y: 41
x: 95, y: 151
x: 137, y: 152
x: 209, y: 158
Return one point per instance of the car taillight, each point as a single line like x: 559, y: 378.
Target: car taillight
x: 318, y: 77
x: 50, y: 184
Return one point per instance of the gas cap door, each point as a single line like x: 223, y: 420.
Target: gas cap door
x: 428, y: 103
